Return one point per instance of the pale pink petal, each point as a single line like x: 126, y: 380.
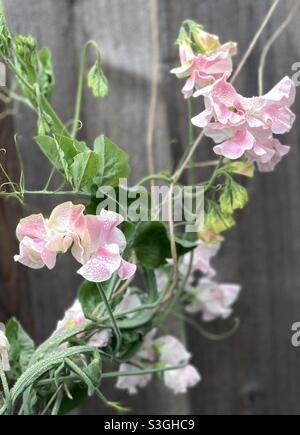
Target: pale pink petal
x: 100, y: 339
x: 132, y: 383
x: 181, y: 380
x: 102, y: 265
x: 66, y: 216
x: 236, y: 147
x: 203, y: 119
x: 127, y: 270
x: 32, y: 226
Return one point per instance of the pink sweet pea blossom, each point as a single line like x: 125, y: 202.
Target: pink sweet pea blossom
x: 4, y: 349
x: 213, y: 300
x: 35, y: 249
x: 203, y: 69
x: 182, y: 379
x: 245, y: 126
x: 73, y: 317
x: 95, y: 241
x: 145, y: 356
x: 202, y: 257
x: 103, y: 250
x: 133, y: 382
x: 171, y: 353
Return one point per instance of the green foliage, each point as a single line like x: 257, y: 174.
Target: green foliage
x: 45, y: 72
x: 234, y: 197
x: 216, y: 220
x: 21, y: 348
x: 83, y: 169
x: 97, y: 81
x: 90, y: 299
x: 244, y: 168
x: 152, y: 245
x: 113, y: 162
x: 5, y: 36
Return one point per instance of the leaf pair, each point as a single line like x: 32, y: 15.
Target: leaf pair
x: 82, y: 167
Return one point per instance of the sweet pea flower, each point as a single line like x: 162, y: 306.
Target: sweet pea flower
x: 213, y: 300
x: 145, y: 356
x: 202, y: 258
x: 203, y: 69
x: 182, y: 379
x: 130, y: 301
x: 245, y: 126
x: 171, y: 353
x: 131, y: 383
x: 73, y: 317
x: 102, y: 252
x: 67, y: 227
x: 34, y: 238
x: 95, y: 242
x: 4, y: 349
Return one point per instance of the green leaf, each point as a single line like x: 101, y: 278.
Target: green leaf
x: 233, y: 197
x: 152, y: 245
x: 244, y: 168
x: 97, y: 81
x: 79, y: 394
x: 21, y: 348
x: 113, y: 162
x: 26, y: 61
x: 5, y: 36
x: 90, y: 299
x: 50, y: 147
x: 84, y: 169
x: 45, y: 72
x: 38, y: 369
x: 94, y: 369
x: 216, y: 220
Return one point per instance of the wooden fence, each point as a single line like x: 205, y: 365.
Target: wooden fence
x: 258, y: 370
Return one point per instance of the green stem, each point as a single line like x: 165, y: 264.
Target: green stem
x: 79, y: 95
x: 208, y: 335
x: 191, y: 172
x: 112, y: 318
x: 63, y: 193
x: 142, y: 372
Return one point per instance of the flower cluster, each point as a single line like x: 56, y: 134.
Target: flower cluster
x: 95, y: 242
x: 164, y: 352
x: 210, y: 62
x: 241, y: 127
x: 244, y: 127
x: 206, y: 296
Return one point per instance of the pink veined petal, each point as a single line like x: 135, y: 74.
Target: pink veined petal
x: 103, y: 229
x: 49, y: 258
x: 102, y: 265
x: 236, y: 147
x: 32, y: 226
x: 203, y: 119
x: 189, y: 86
x: 31, y: 253
x: 66, y: 216
x: 284, y: 92
x: 127, y: 270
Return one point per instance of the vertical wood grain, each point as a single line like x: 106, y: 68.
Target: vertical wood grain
x: 256, y: 371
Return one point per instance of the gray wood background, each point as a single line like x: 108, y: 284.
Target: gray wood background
x: 256, y: 371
